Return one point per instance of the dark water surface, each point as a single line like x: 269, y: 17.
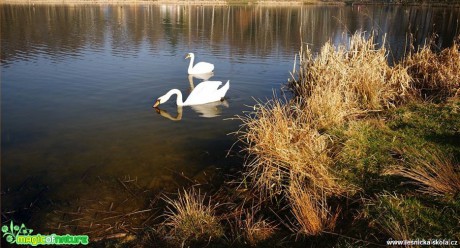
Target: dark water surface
x: 78, y: 84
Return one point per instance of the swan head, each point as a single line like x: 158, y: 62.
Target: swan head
x: 160, y: 100
x: 157, y: 102
x: 189, y: 55
x: 165, y: 98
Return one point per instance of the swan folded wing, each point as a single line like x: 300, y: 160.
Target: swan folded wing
x: 223, y: 90
x: 205, y: 92
x: 203, y: 67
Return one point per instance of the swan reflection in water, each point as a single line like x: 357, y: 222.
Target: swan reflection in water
x: 208, y: 110
x: 203, y: 77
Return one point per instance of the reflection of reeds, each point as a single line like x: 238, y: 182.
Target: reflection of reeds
x: 191, y: 219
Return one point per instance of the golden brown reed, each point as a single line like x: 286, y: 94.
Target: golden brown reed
x: 282, y: 145
x: 189, y: 218
x: 348, y: 80
x: 435, y: 74
x: 434, y: 174
x: 290, y: 159
x: 310, y: 210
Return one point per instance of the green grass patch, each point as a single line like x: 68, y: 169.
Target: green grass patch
x: 429, y: 124
x: 393, y: 206
x: 371, y: 146
x: 410, y: 218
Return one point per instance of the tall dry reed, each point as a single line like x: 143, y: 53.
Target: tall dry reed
x: 281, y: 145
x: 435, y: 74
x: 310, y: 209
x: 351, y: 79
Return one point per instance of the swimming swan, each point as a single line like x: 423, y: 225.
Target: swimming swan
x: 199, y: 68
x: 204, y: 92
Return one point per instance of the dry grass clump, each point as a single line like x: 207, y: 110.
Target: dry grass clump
x: 290, y: 158
x: 310, y: 210
x: 435, y: 174
x: 254, y: 230
x: 435, y: 74
x: 347, y: 80
x: 191, y: 219
x: 282, y: 145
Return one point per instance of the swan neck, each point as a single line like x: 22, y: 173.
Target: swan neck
x: 179, y: 100
x: 192, y: 59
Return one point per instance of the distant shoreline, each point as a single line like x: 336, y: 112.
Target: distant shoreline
x: 231, y: 2
x: 150, y: 2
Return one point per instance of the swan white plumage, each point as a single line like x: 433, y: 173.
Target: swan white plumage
x: 204, y: 92
x: 199, y: 68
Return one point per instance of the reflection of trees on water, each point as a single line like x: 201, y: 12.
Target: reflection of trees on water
x: 241, y: 31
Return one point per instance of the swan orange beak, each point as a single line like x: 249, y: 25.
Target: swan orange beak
x: 188, y: 56
x: 156, y: 103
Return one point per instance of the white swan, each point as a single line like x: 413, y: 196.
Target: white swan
x: 199, y: 68
x: 204, y: 92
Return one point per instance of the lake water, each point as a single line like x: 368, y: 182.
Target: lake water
x: 78, y: 84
